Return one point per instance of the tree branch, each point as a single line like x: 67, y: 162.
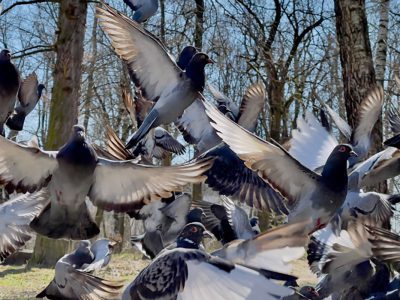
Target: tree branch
x: 33, y: 50
x: 26, y: 2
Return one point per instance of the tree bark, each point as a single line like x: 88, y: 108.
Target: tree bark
x: 358, y: 71
x: 199, y: 30
x: 64, y: 102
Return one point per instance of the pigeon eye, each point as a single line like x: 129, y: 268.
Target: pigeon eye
x: 193, y: 229
x: 342, y: 149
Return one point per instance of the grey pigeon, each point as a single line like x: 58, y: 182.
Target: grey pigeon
x: 226, y: 222
x: 75, y: 172
x: 73, y: 279
x: 15, y: 216
x: 9, y: 84
x: 368, y: 113
x: 343, y: 264
x: 187, y: 272
x: 308, y: 193
x: 144, y: 9
x: 163, y: 221
x: 29, y: 94
x: 152, y: 68
x: 228, y: 175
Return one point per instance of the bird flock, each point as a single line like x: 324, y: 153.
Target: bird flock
x: 320, y: 184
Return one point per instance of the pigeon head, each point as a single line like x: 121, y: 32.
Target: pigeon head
x: 191, y: 235
x: 5, y: 55
x: 195, y: 215
x: 78, y: 133
x: 185, y: 56
x: 195, y: 70
x: 254, y: 225
x: 334, y: 173
x: 40, y: 89
x: 308, y: 292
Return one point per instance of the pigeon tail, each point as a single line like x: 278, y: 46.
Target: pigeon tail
x: 81, y: 227
x: 393, y: 141
x: 148, y: 123
x: 16, y: 122
x: 394, y: 199
x: 51, y: 292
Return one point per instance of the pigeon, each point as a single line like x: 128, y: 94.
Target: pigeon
x: 174, y: 89
x: 157, y: 143
x: 368, y: 113
x: 75, y: 172
x: 343, y: 264
x: 144, y: 9
x: 309, y: 194
x: 228, y: 175
x: 186, y: 272
x: 162, y: 220
x: 9, y: 85
x: 385, y: 244
x: 73, y: 278
x: 15, y: 216
x: 226, y: 222
x: 28, y: 96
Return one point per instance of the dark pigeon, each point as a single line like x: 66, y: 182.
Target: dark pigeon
x: 73, y: 279
x: 172, y: 88
x: 29, y: 94
x: 144, y: 9
x: 309, y: 194
x: 9, y: 85
x: 111, y: 185
x: 186, y: 272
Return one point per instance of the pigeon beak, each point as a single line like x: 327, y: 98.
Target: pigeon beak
x: 210, y: 61
x: 352, y: 153
x: 207, y: 235
x: 315, y: 293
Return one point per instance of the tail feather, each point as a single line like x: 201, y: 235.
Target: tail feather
x: 16, y: 122
x: 148, y: 123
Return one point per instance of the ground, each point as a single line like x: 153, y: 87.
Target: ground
x: 18, y: 282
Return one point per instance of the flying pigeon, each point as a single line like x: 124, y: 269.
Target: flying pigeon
x: 144, y: 9
x: 163, y: 221
x: 172, y: 88
x: 226, y: 222
x: 9, y: 84
x: 343, y: 264
x: 15, y: 216
x: 308, y: 193
x: 75, y: 172
x: 186, y: 272
x: 368, y: 113
x: 29, y: 94
x: 73, y: 279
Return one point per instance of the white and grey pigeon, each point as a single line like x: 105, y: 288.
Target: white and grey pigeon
x: 15, y: 216
x: 344, y: 264
x: 9, y: 85
x: 73, y: 278
x: 75, y: 172
x: 310, y: 195
x: 228, y: 175
x: 29, y: 95
x: 144, y: 9
x: 227, y: 222
x: 186, y: 272
x: 154, y: 70
x: 368, y: 113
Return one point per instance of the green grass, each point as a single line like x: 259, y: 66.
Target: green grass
x: 18, y: 282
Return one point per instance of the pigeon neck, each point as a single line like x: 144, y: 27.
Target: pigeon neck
x: 78, y: 152
x: 186, y: 243
x: 195, y: 71
x: 334, y: 174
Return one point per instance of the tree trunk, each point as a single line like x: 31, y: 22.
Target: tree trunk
x: 380, y: 56
x: 64, y: 102
x: 358, y: 72
x: 275, y: 94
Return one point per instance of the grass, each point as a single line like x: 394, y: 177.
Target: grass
x: 18, y: 282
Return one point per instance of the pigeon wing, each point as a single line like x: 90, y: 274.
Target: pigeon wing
x: 165, y: 142
x: 142, y: 52
x: 385, y: 244
x: 123, y: 185
x: 252, y: 103
x: 238, y: 219
x: 24, y: 168
x: 28, y: 94
x: 272, y: 162
x: 102, y: 255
